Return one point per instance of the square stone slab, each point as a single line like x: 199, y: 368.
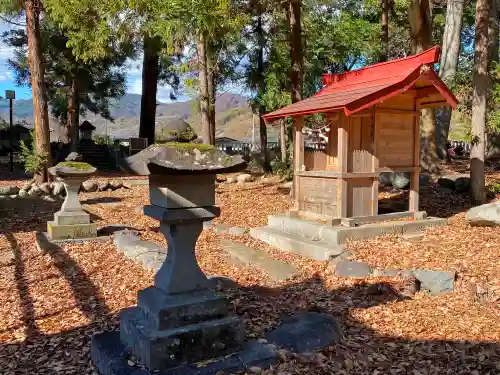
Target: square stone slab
x: 110, y: 357
x: 70, y: 218
x: 62, y: 232
x: 171, y: 311
x: 174, y: 347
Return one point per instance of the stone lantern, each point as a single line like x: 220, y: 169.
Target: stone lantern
x: 179, y: 320
x: 71, y: 222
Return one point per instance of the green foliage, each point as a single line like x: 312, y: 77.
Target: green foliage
x: 284, y: 169
x: 103, y: 140
x: 81, y: 166
x: 34, y: 161
x: 186, y: 136
x: 494, y: 188
x: 188, y: 146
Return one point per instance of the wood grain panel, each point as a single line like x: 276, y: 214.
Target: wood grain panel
x: 395, y: 140
x: 318, y: 196
x: 360, y: 197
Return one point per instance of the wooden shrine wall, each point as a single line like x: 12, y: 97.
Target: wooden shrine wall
x: 318, y: 195
x: 360, y: 149
x: 360, y: 197
x: 394, y: 132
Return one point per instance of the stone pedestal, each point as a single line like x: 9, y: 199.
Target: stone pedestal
x: 71, y: 222
x: 180, y: 320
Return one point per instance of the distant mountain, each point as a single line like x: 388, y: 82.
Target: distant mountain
x: 234, y: 117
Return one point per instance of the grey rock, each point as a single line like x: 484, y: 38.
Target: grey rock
x: 424, y: 179
x: 389, y: 272
x: 462, y: 184
x: 222, y: 282
x: 35, y: 191
x: 241, y: 254
x: 115, y: 185
x: 103, y: 186
x: 343, y: 256
x: 139, y: 209
x: 9, y: 190
x: 287, y: 185
x: 149, y: 254
x: 89, y: 186
x: 23, y: 193
x: 385, y: 179
x: 350, y: 268
x: 447, y: 182
x: 305, y: 332
x: 245, y: 177
x: 58, y: 188
x: 13, y: 196
x: 74, y: 156
x: 45, y: 187
x: 48, y: 198
x: 487, y: 215
x: 436, y: 282
x: 230, y: 180
x: 237, y: 231
x: 400, y: 180
x: 445, y: 190
x: 27, y: 186
x: 221, y: 228
x: 407, y: 274
x: 207, y: 224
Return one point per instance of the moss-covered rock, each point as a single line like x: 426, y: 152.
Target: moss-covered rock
x: 81, y: 166
x: 183, y: 146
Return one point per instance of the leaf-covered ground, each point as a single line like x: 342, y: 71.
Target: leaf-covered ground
x: 52, y: 303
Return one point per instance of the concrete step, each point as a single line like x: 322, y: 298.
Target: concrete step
x: 241, y: 254
x: 295, y: 243
x: 309, y: 229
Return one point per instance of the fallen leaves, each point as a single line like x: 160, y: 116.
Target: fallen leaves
x: 52, y: 304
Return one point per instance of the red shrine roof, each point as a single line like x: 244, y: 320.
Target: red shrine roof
x: 362, y: 88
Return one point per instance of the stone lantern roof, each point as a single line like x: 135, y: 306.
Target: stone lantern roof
x: 182, y: 158
x: 86, y: 125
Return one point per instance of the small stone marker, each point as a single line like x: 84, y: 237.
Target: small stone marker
x: 306, y: 332
x: 351, y: 268
x: 487, y: 215
x: 436, y: 282
x: 276, y: 269
x: 149, y: 254
x: 71, y: 222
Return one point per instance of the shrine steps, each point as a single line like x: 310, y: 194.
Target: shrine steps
x: 324, y: 242
x: 307, y: 238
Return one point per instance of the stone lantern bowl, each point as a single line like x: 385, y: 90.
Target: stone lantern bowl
x: 71, y: 222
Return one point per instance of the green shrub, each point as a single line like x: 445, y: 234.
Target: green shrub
x: 283, y: 169
x: 494, y: 188
x: 34, y: 162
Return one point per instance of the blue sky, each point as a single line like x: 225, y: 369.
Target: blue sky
x: 134, y: 71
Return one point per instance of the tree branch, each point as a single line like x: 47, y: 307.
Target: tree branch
x: 5, y: 19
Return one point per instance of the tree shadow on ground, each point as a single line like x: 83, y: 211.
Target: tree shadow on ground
x: 101, y: 200
x: 30, y: 214
x: 433, y: 199
x: 362, y: 351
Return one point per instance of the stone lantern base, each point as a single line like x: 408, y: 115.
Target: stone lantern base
x: 166, y: 331
x: 67, y: 225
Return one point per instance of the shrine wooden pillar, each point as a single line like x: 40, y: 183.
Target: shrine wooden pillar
x: 342, y: 148
x: 298, y: 157
x: 415, y: 175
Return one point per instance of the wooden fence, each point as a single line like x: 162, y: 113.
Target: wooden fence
x: 315, y: 159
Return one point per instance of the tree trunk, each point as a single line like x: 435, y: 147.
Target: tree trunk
x: 73, y: 114
x: 296, y: 49
x: 204, y: 89
x: 39, y: 92
x: 420, y: 34
x: 211, y: 93
x: 150, y: 70
x: 283, y: 140
x: 480, y: 84
x: 384, y: 31
x: 450, y: 52
x: 259, y: 30
x: 493, y: 31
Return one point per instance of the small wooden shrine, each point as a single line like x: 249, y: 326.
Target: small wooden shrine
x: 374, y: 127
